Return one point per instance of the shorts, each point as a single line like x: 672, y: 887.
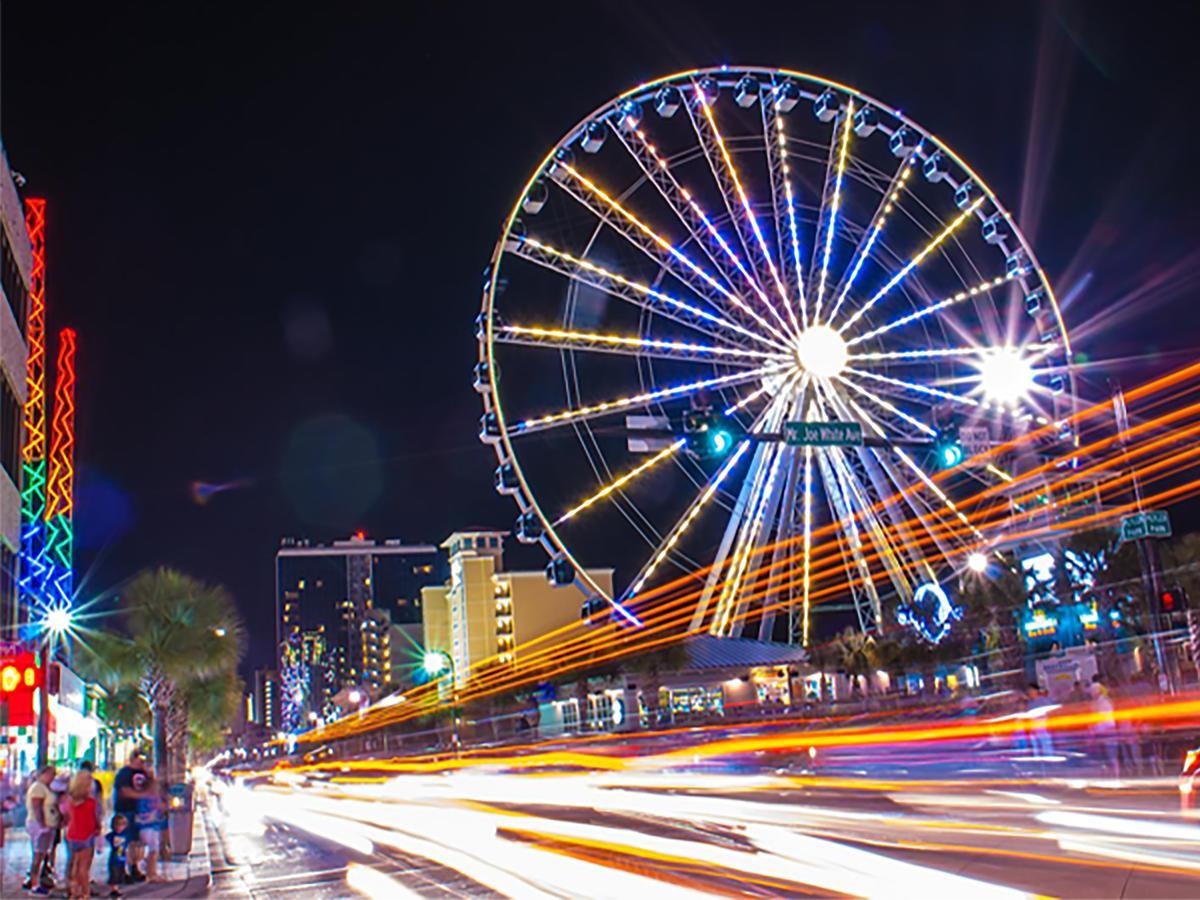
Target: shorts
x: 40, y: 839
x: 77, y: 846
x: 149, y: 837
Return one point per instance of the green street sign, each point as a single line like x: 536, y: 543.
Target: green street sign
x: 1153, y: 523
x: 823, y: 434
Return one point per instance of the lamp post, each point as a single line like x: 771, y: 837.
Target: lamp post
x: 436, y: 663
x: 56, y: 627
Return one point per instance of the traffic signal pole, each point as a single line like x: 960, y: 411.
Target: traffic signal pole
x: 1147, y: 549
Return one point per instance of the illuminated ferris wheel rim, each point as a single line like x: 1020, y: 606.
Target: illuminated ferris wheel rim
x: 811, y: 342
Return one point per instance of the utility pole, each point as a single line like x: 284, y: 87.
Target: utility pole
x: 1147, y: 549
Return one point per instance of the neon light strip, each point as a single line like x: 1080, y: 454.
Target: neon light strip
x: 33, y: 452
x: 686, y: 522
x: 674, y: 252
x: 745, y: 202
x: 623, y: 480
x: 60, y: 504
x: 617, y: 340
x: 880, y: 222
x: 914, y: 262
x: 835, y: 204
x: 646, y: 290
x: 570, y: 415
x: 939, y: 306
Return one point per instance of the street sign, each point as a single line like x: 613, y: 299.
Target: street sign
x: 823, y: 434
x: 1153, y: 523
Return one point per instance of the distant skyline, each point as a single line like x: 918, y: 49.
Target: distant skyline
x: 268, y: 225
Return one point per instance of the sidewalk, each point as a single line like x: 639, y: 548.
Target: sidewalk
x: 184, y: 876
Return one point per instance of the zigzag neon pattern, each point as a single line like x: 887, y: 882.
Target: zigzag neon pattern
x: 60, y: 502
x: 33, y: 452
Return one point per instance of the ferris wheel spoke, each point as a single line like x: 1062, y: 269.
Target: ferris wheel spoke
x: 621, y: 404
x: 783, y: 201
x: 908, y: 267
x: 737, y: 202
x: 918, y: 355
x: 806, y: 574
x: 863, y: 251
x: 872, y: 509
x: 651, y: 299
x: 693, y: 216
x: 682, y: 351
x: 742, y: 511
x: 621, y: 481
x: 831, y: 207
x: 935, y: 308
x: 661, y: 251
x: 900, y: 383
x: 731, y: 606
x: 889, y: 406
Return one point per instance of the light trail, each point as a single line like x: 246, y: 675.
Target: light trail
x: 1146, y: 391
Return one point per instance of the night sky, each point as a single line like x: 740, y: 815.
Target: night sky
x: 268, y: 225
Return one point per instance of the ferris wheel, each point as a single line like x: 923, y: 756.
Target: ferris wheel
x: 737, y: 314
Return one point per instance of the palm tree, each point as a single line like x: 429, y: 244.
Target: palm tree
x: 179, y: 646
x: 858, y: 655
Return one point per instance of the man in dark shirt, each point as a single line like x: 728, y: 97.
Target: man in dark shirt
x: 128, y: 786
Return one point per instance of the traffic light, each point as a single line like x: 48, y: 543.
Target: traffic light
x: 1172, y: 600
x: 947, y: 449
x: 710, y: 435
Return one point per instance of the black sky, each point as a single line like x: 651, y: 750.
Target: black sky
x: 268, y: 222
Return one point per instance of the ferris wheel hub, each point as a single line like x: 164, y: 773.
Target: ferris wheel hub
x: 821, y: 351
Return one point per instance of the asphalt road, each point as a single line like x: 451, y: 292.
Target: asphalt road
x: 488, y: 831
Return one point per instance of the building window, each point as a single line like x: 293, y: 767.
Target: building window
x: 12, y: 282
x: 10, y: 431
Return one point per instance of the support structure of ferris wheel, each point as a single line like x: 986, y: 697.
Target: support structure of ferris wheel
x: 802, y: 280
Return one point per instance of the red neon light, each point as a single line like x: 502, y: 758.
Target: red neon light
x: 60, y: 488
x: 35, y: 368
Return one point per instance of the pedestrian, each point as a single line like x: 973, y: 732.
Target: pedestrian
x: 82, y: 826
x: 38, y: 800
x: 149, y: 824
x: 118, y: 844
x: 56, y: 816
x: 125, y: 796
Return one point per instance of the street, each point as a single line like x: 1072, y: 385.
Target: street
x: 937, y: 820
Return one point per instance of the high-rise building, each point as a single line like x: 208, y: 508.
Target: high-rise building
x: 337, y: 604
x: 482, y: 615
x: 267, y: 697
x: 16, y: 264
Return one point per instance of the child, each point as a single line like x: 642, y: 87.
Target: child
x: 80, y: 834
x: 117, y: 839
x: 148, y: 827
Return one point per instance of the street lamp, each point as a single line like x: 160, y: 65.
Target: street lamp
x: 977, y: 562
x: 436, y: 663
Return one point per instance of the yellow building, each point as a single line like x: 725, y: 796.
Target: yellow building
x: 485, y: 613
